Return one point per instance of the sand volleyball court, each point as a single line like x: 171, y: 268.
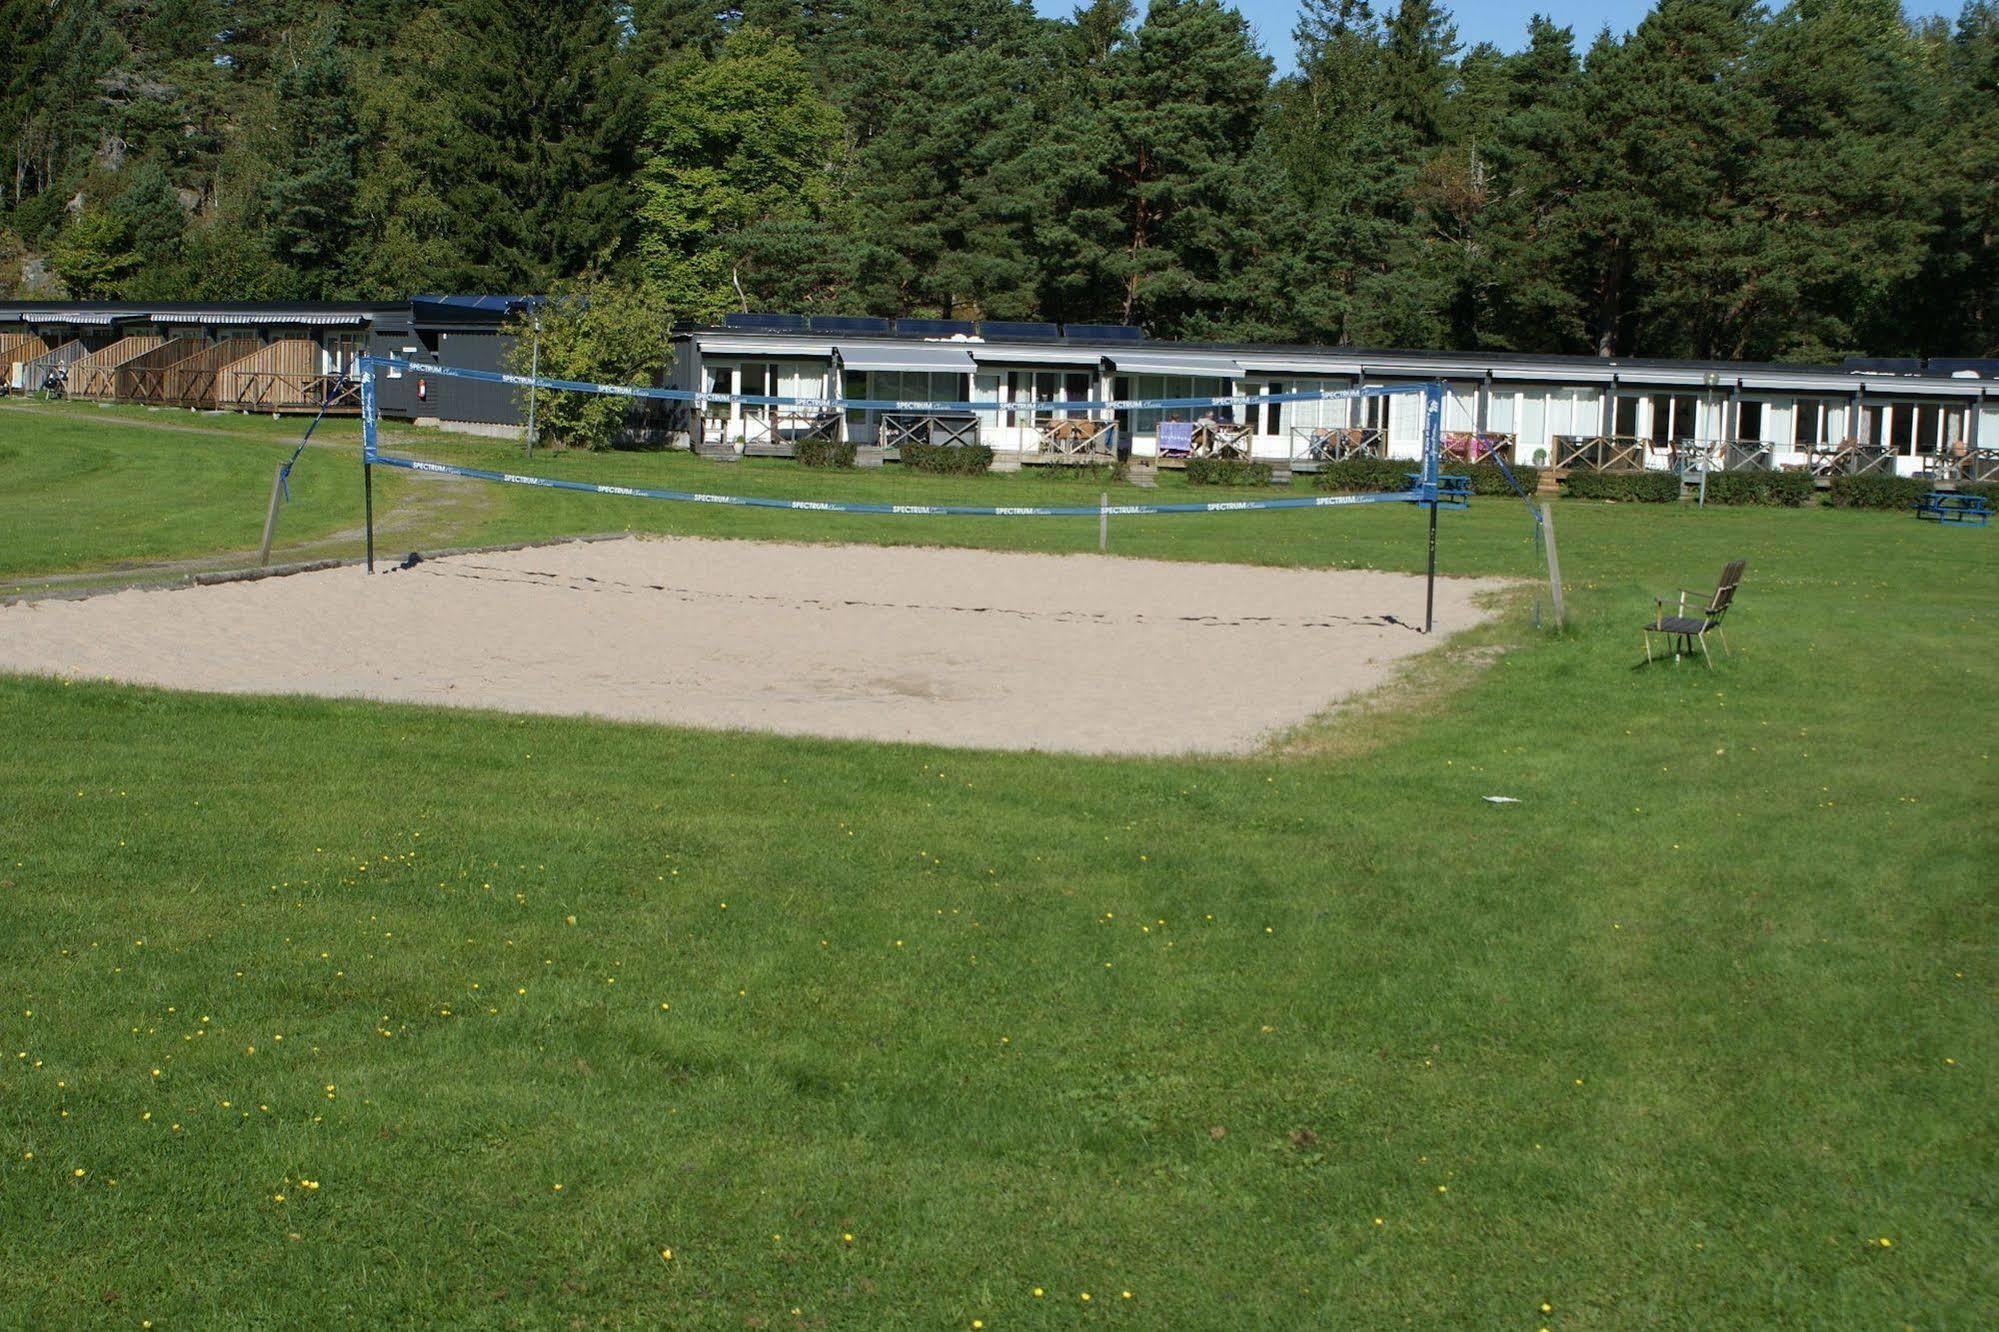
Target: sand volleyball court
x: 952, y: 647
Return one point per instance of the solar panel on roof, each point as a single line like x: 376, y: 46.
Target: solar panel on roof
x: 934, y: 328
x: 1884, y: 365
x: 1985, y: 367
x: 1105, y: 332
x: 1008, y: 330
x: 789, y: 323
x: 849, y: 324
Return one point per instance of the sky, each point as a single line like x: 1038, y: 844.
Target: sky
x: 1501, y: 22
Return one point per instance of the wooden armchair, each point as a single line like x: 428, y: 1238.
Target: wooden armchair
x: 1688, y: 629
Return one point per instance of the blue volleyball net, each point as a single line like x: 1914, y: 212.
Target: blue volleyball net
x: 1427, y: 486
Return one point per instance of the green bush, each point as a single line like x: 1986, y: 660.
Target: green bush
x: 1364, y: 476
x: 1638, y: 487
x: 825, y: 453
x: 1380, y: 475
x: 1227, y: 472
x: 1093, y: 471
x: 947, y: 459
x: 1876, y: 492
x: 1488, y: 479
x: 1786, y: 489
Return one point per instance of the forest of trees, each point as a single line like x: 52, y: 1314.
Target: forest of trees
x: 1803, y: 181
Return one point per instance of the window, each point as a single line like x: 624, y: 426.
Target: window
x: 1901, y: 428
x: 1929, y: 423
x: 1146, y: 422
x: 1625, y: 421
x: 1808, y: 424
x: 1748, y: 420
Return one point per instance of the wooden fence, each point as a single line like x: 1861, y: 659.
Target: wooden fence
x: 30, y: 376
x: 284, y: 376
x: 96, y: 375
x: 15, y: 347
x: 144, y: 378
x: 191, y: 381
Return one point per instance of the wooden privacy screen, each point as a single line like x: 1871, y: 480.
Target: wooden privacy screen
x: 96, y: 375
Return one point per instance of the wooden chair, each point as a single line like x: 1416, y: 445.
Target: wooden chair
x: 1686, y: 630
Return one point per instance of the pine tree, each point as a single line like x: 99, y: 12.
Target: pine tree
x: 1151, y: 211
x: 307, y: 187
x: 535, y: 141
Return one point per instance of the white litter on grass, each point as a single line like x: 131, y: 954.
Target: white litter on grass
x: 1500, y: 800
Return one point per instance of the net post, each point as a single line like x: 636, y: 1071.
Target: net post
x: 367, y: 365
x: 1103, y: 522
x: 1433, y: 435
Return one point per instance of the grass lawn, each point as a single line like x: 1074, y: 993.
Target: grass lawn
x: 877, y: 1036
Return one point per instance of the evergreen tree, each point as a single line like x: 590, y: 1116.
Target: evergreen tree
x: 307, y: 188
x: 735, y: 146
x: 535, y: 138
x: 1151, y: 212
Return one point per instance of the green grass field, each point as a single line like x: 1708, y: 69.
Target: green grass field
x: 386, y: 1015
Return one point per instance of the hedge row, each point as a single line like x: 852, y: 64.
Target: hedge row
x: 825, y: 453
x: 948, y: 459
x: 1893, y: 492
x: 1788, y: 490
x: 1630, y: 487
x: 1227, y: 472
x: 1381, y: 475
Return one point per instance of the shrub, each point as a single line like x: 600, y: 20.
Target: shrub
x: 1380, y: 475
x: 1227, y: 472
x: 1093, y: 471
x: 1876, y: 492
x: 1786, y: 489
x: 1363, y: 476
x: 825, y: 453
x: 1488, y: 479
x: 947, y: 459
x: 1639, y: 487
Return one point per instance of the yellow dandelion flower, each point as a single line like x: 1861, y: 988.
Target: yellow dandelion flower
x: 666, y: 1255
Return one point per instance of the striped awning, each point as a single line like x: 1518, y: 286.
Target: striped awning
x: 92, y: 317
x: 344, y: 319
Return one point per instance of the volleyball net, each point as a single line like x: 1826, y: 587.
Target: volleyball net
x: 1175, y: 429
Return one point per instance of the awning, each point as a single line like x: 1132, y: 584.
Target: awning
x: 893, y: 356
x: 1017, y: 353
x: 741, y: 346
x: 236, y: 317
x: 94, y: 317
x: 1293, y: 365
x: 1209, y: 366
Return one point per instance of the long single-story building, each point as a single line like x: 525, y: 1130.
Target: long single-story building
x: 1561, y: 411
x: 1888, y: 416
x: 263, y: 356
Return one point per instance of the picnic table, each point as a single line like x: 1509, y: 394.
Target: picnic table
x: 1950, y: 506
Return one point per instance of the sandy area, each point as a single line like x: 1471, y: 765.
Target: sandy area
x: 949, y: 647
